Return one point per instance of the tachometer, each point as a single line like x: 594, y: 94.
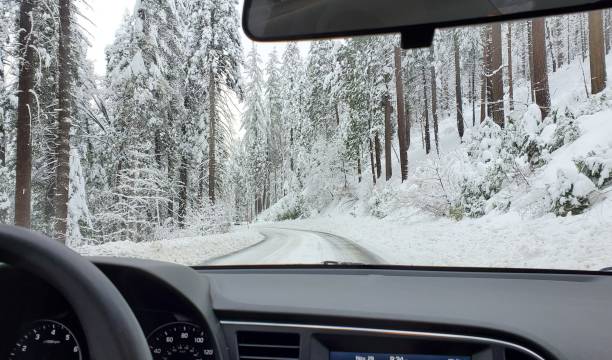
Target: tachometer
x: 46, y: 339
x: 180, y: 341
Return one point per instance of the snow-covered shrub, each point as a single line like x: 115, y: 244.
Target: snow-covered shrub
x: 208, y: 219
x: 382, y: 200
x: 597, y: 166
x: 496, y: 156
x: 437, y: 184
x: 326, y: 175
x: 291, y: 207
x: 570, y: 193
x: 566, y: 130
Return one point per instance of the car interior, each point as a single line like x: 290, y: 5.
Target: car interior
x: 127, y: 309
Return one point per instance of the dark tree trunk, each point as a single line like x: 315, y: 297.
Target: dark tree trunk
x: 497, y: 76
x: 408, y: 127
x: 212, y: 134
x: 64, y: 122
x: 540, y: 68
x: 183, y: 183
x: 485, y: 71
x: 23, y: 172
x: 607, y: 30
x: 388, y: 139
x: 531, y: 64
x: 378, y: 151
x: 158, y: 149
x: 372, y: 164
x: 426, y: 115
x: 553, y: 57
x: 597, y: 52
x: 510, y: 70
x: 583, y: 37
x: 458, y: 91
x: 434, y: 105
x: 359, y: 167
x: 170, y: 178
x: 473, y: 87
x: 401, y: 113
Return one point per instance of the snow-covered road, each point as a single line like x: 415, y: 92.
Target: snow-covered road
x: 293, y: 246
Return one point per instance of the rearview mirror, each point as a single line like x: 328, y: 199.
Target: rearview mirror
x: 416, y: 20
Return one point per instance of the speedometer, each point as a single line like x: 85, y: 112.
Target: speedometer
x: 180, y: 341
x: 46, y: 339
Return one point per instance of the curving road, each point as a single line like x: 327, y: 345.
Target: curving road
x: 295, y: 246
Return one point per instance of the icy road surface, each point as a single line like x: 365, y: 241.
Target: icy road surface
x: 292, y: 246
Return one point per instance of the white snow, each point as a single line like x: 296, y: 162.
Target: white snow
x: 506, y: 241
x: 187, y: 251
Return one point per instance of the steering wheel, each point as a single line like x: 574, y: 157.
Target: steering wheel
x: 110, y: 327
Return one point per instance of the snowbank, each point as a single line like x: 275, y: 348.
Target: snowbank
x: 187, y: 251
x: 575, y: 242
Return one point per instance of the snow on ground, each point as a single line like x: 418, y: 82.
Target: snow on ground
x: 187, y: 251
x: 508, y: 241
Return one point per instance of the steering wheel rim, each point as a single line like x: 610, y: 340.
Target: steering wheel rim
x: 111, y: 328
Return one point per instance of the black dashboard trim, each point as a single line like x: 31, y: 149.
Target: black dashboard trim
x: 379, y: 331
x: 442, y: 269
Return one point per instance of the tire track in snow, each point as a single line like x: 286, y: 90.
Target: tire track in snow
x: 297, y: 246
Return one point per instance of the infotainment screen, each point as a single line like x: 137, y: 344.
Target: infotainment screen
x: 337, y: 355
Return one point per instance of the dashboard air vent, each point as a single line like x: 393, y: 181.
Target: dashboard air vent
x: 255, y: 345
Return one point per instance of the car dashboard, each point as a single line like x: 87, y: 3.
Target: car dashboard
x: 344, y: 313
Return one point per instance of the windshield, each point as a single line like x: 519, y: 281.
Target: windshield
x: 156, y: 129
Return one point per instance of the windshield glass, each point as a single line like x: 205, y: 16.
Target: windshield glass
x: 156, y: 129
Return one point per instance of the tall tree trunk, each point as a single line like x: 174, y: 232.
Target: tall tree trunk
x: 2, y: 142
x: 388, y: 139
x: 408, y: 127
x: 510, y: 70
x: 583, y: 40
x: 426, y: 114
x: 434, y: 103
x: 359, y: 167
x: 337, y: 115
x: 212, y: 134
x: 531, y: 65
x: 458, y: 91
x: 597, y: 52
x: 607, y: 30
x: 23, y: 172
x: 183, y: 183
x: 473, y: 81
x: 497, y: 76
x: 485, y: 72
x: 377, y: 151
x: 64, y: 121
x: 372, y: 164
x: 401, y: 113
x: 170, y: 178
x: 540, y: 68
x: 553, y: 56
